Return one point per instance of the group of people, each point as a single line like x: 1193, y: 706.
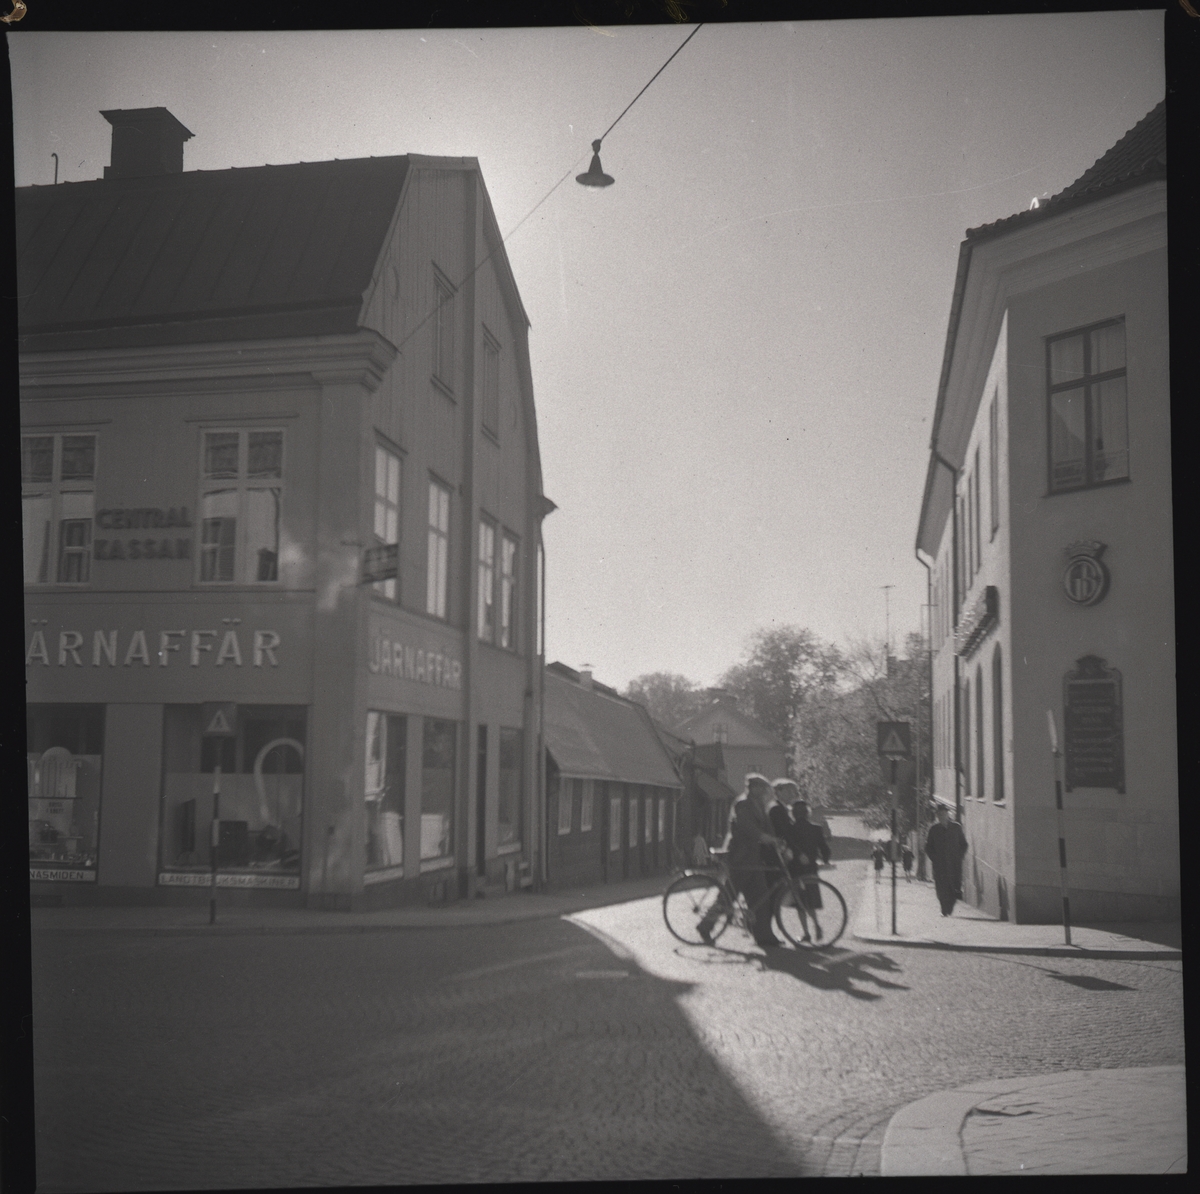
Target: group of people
x: 769, y: 823
x: 881, y: 852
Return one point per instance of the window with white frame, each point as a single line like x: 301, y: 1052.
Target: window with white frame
x: 586, y: 798
x: 387, y: 508
x: 508, y: 591
x: 58, y: 474
x: 490, y: 414
x: 241, y: 492
x: 566, y: 801
x: 438, y: 554
x: 1086, y: 398
x: 443, y: 331
x: 486, y: 614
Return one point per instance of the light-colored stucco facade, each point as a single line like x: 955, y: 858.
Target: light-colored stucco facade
x: 995, y: 531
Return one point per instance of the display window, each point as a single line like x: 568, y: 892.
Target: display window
x: 384, y: 789
x: 508, y: 814
x: 64, y: 750
x: 439, y: 741
x: 261, y: 782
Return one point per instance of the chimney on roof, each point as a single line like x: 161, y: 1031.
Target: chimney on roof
x: 145, y: 141
x: 585, y: 676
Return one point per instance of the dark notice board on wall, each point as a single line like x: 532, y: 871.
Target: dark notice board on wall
x: 1095, y: 738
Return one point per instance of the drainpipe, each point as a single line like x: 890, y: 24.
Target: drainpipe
x: 954, y: 588
x: 929, y: 660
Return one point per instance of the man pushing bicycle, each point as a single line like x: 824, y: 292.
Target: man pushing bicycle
x: 750, y: 830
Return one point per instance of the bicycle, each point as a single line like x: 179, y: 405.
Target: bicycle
x: 809, y: 911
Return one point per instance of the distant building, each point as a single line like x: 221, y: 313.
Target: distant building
x: 282, y: 511
x: 612, y: 790
x: 707, y: 794
x: 745, y: 744
x: 1046, y: 523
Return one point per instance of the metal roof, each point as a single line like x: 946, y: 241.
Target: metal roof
x: 228, y: 254
x: 594, y: 735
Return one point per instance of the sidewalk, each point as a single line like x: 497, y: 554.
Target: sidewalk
x: 193, y: 919
x: 1081, y: 1122
x: 920, y: 923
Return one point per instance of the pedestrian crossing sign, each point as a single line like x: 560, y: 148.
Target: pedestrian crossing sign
x: 220, y: 719
x: 892, y: 739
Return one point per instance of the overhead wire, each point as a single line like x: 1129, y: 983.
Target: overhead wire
x: 505, y: 239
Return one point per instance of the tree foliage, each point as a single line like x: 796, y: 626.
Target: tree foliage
x: 669, y: 697
x: 783, y: 668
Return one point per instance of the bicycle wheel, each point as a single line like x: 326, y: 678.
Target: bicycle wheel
x: 807, y: 926
x: 692, y: 900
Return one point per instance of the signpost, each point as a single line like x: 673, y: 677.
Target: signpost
x: 219, y: 719
x: 893, y: 743
x: 1062, y: 840
x: 381, y: 563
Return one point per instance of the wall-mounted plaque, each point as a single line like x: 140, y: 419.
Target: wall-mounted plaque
x: 1086, y: 577
x: 1095, y: 738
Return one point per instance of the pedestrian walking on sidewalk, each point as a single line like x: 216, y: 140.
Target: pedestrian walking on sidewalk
x: 945, y: 845
x: 878, y: 856
x: 906, y: 856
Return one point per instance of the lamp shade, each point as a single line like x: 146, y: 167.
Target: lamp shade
x: 595, y: 176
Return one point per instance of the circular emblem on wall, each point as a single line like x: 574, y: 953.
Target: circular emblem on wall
x: 1086, y: 577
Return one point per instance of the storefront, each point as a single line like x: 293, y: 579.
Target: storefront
x: 279, y: 576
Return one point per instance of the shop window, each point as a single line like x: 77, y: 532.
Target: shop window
x: 1089, y: 431
x: 58, y: 475
x: 662, y: 819
x: 240, y: 507
x: 508, y: 816
x: 587, y: 796
x: 648, y: 820
x: 508, y: 592
x: 614, y: 822
x: 486, y: 621
x: 438, y: 555
x: 261, y: 795
x: 491, y: 384
x: 634, y: 807
x: 438, y: 752
x: 387, y: 509
x: 64, y: 752
x: 383, y: 789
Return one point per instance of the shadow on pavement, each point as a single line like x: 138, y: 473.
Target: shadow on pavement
x: 832, y: 970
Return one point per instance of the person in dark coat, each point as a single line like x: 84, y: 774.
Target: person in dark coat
x: 877, y: 856
x: 906, y: 857
x: 750, y: 833
x: 945, y: 845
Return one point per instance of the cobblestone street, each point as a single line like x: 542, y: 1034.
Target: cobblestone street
x: 594, y: 1047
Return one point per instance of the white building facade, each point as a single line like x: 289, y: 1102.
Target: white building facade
x: 1046, y: 527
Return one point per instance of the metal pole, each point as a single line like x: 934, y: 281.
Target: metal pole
x: 216, y: 840
x: 1062, y: 838
x: 895, y: 845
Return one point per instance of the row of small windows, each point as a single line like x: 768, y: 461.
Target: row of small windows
x: 240, y: 507
x: 648, y: 825
x: 981, y: 731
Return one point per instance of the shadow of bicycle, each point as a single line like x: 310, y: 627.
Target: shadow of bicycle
x: 859, y: 974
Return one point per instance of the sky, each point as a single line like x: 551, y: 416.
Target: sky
x: 736, y: 347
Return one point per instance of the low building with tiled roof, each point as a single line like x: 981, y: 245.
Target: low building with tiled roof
x: 1046, y: 528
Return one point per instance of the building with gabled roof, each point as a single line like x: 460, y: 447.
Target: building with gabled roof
x: 1046, y: 528
x: 282, y: 511
x: 746, y: 745
x: 612, y: 787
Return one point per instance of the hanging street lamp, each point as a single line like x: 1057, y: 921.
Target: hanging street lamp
x: 595, y: 176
